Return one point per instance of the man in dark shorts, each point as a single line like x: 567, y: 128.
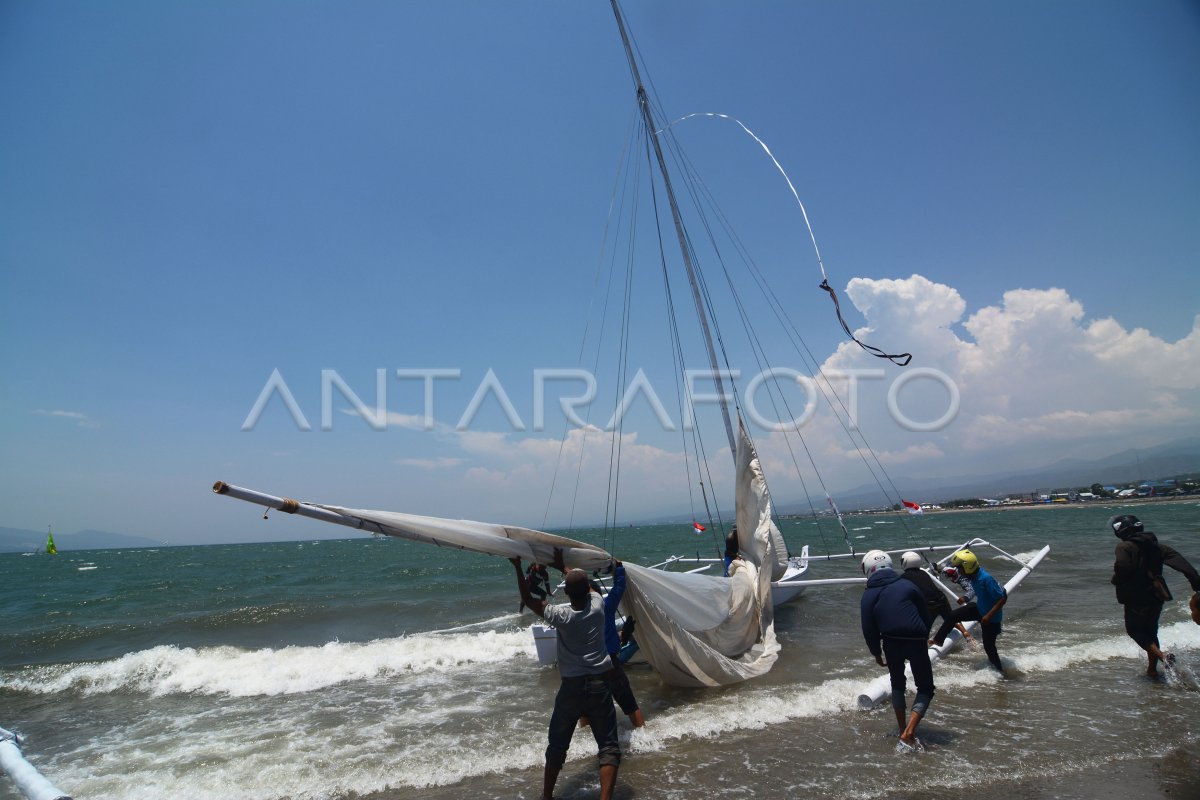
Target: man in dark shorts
x: 1138, y: 576
x: 895, y: 623
x: 583, y: 664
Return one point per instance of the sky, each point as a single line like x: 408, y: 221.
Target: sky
x: 198, y: 196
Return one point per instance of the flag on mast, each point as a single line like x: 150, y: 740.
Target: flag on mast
x: 698, y: 528
x: 912, y: 508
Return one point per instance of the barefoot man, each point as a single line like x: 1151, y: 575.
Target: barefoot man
x: 583, y: 664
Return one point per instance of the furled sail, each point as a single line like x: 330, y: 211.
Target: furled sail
x: 699, y: 630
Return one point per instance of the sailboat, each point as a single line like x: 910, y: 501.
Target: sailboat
x: 696, y: 626
x: 50, y: 547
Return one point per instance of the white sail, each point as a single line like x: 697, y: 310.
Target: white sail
x: 697, y: 630
x: 488, y: 538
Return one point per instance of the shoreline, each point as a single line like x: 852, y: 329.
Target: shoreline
x: 1112, y: 501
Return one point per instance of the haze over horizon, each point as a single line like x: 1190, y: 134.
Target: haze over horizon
x: 199, y: 197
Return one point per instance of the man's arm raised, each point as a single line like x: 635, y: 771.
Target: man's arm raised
x: 536, y: 606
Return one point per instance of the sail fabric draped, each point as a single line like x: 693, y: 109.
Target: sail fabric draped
x: 698, y: 630
x: 695, y: 630
x: 494, y: 539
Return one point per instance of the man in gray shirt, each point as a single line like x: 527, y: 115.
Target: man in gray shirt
x: 583, y: 665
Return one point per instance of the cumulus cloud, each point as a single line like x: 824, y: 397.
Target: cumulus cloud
x: 1030, y: 379
x: 1035, y: 378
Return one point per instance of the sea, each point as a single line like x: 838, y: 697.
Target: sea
x: 379, y: 669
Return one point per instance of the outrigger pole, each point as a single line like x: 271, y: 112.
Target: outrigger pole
x: 26, y: 777
x: 874, y: 692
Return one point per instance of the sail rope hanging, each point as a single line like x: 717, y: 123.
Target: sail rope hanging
x: 899, y: 359
x: 702, y: 196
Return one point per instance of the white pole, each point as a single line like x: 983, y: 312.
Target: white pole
x: 23, y: 774
x: 874, y: 692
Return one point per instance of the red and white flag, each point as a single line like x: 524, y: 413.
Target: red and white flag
x: 698, y: 528
x: 911, y: 507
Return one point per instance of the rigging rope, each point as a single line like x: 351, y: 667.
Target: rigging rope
x: 702, y: 196
x: 899, y: 359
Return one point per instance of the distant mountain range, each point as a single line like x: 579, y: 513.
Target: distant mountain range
x: 15, y: 540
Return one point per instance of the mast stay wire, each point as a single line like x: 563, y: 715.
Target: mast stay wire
x: 689, y: 175
x: 780, y: 312
x: 616, y: 201
x: 804, y: 351
x: 701, y: 196
x: 716, y: 531
x: 697, y: 277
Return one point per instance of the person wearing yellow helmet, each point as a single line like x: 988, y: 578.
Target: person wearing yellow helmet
x: 1138, y: 576
x: 966, y: 561
x: 986, y: 608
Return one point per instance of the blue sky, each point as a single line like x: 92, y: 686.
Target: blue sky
x: 194, y: 195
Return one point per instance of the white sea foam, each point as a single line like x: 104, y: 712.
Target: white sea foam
x: 387, y: 741
x: 236, y: 672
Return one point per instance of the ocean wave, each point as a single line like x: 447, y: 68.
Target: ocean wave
x: 236, y: 672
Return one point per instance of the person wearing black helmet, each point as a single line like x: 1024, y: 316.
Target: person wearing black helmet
x: 1141, y: 589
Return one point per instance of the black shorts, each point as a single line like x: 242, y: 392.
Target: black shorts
x: 1141, y: 622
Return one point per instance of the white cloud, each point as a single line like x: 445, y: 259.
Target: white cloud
x: 1036, y: 378
x: 443, y: 462
x: 1037, y: 381
x: 80, y: 418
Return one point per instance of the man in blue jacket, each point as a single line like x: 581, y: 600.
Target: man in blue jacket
x: 622, y: 692
x: 894, y: 614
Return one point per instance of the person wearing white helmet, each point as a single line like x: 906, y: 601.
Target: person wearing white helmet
x: 895, y: 624
x: 935, y: 598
